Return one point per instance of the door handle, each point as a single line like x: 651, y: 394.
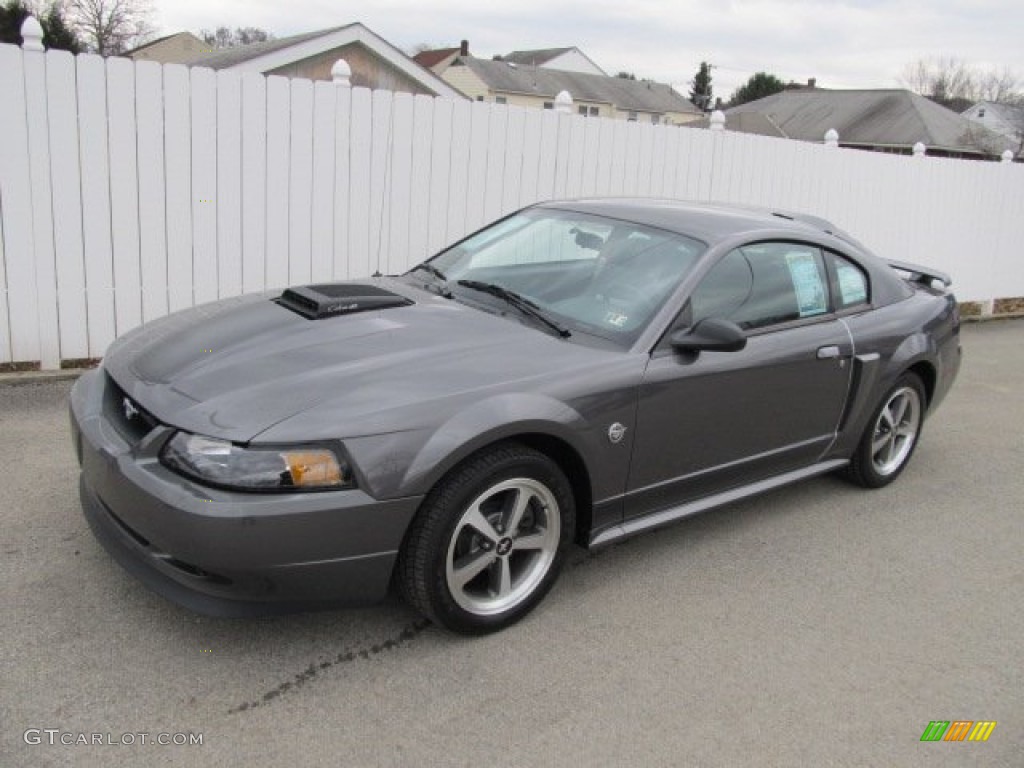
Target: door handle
x: 828, y: 353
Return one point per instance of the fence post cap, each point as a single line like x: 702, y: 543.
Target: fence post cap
x: 919, y: 149
x: 718, y: 120
x: 1007, y: 156
x: 831, y: 138
x: 563, y: 102
x: 341, y: 73
x: 32, y: 34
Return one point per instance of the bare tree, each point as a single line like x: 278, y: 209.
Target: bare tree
x: 110, y: 27
x: 1002, y: 86
x: 222, y: 37
x: 955, y: 84
x: 945, y: 80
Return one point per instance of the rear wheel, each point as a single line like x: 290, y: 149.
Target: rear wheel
x: 489, y: 540
x: 891, y: 435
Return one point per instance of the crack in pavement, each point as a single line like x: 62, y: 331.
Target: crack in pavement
x: 409, y: 632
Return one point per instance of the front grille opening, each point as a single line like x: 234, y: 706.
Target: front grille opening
x: 319, y: 301
x: 131, y: 420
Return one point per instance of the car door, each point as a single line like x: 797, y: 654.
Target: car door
x: 710, y: 421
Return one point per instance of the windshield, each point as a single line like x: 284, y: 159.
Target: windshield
x: 594, y: 275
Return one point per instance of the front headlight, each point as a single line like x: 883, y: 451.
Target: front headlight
x: 218, y: 462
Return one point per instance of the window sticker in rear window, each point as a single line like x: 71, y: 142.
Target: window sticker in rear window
x: 810, y: 290
x: 852, y: 287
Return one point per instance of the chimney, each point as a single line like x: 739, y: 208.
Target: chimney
x: 812, y: 82
x: 464, y: 48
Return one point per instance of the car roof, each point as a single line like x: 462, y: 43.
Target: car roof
x: 709, y: 222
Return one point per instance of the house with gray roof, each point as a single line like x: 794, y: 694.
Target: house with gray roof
x: 507, y: 82
x: 1004, y: 119
x: 566, y: 59
x: 375, y: 63
x: 170, y: 49
x: 882, y: 120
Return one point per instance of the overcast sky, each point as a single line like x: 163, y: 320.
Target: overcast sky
x: 863, y: 44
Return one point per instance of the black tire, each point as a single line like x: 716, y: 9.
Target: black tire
x: 885, y: 448
x: 447, y: 541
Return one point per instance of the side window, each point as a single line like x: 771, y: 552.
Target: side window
x: 849, y: 283
x: 764, y: 284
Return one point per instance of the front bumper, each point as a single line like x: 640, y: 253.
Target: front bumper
x: 222, y: 552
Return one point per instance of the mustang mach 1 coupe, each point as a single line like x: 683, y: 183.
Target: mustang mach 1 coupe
x: 577, y: 372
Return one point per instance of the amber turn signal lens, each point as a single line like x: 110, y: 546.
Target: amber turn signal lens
x: 313, y: 468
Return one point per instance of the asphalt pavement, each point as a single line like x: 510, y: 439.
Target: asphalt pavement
x: 820, y: 625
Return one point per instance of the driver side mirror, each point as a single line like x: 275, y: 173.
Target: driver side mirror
x: 713, y: 334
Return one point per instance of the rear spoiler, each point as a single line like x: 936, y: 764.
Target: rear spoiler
x: 919, y: 274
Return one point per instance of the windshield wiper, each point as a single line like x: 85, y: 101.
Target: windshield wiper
x: 521, y: 303
x: 442, y: 287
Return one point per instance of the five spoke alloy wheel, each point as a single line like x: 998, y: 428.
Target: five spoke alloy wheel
x: 896, y: 430
x: 892, y: 434
x: 504, y: 545
x: 489, y: 540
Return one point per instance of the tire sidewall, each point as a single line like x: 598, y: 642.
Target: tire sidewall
x: 525, y: 463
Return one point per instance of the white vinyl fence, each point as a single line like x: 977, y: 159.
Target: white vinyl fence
x: 130, y: 190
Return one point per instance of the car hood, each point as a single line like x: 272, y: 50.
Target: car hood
x: 236, y: 368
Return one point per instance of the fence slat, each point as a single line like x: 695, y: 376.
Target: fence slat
x: 204, y: 184
x: 178, y: 171
x: 381, y: 137
x: 494, y: 173
x: 124, y: 193
x: 62, y: 111
x: 419, y: 197
x: 254, y: 182
x: 149, y: 112
x: 565, y: 123
x: 440, y: 175
x: 342, y: 180
x: 19, y: 337
x: 278, y: 163
x: 5, y: 324
x: 530, y: 175
x: 547, y: 160
x: 361, y: 127
x: 476, y: 169
x: 395, y: 257
x: 325, y: 101
x: 96, y: 234
x: 42, y: 209
x: 229, y: 184
x: 300, y: 183
x: 458, y: 177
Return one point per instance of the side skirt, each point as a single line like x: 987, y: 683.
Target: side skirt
x: 666, y: 516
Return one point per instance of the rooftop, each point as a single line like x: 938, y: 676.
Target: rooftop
x: 633, y: 95
x: 880, y: 118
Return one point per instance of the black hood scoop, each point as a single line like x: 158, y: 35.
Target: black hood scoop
x: 318, y: 301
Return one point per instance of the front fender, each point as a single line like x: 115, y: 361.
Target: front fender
x: 488, y: 421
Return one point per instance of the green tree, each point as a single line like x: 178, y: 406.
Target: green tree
x: 56, y: 33
x: 700, y: 88
x: 757, y: 87
x: 626, y: 75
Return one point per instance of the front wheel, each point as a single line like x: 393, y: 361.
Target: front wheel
x: 489, y: 540
x: 891, y: 435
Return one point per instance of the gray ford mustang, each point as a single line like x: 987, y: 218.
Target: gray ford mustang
x: 576, y: 372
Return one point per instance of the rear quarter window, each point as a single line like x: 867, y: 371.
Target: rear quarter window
x: 849, y: 283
